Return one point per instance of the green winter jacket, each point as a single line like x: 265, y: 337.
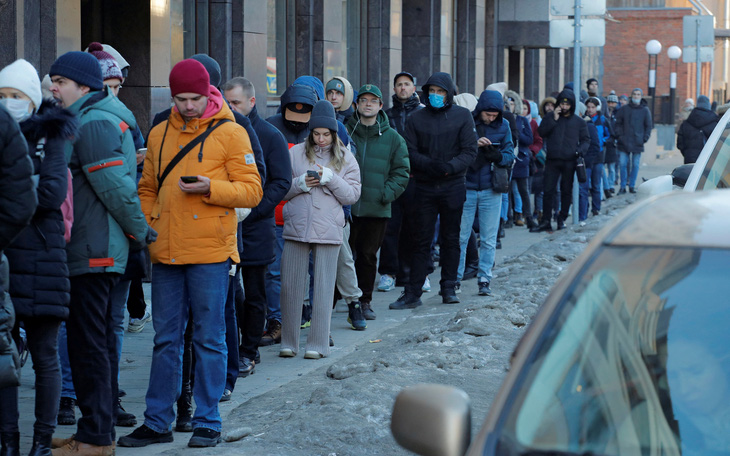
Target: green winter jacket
x: 107, y: 212
x: 384, y: 166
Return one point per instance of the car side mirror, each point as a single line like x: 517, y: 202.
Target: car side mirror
x: 432, y: 420
x: 680, y: 174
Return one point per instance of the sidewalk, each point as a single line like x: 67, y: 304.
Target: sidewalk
x: 273, y: 371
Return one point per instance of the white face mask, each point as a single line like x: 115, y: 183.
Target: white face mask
x: 19, y: 109
x: 636, y: 100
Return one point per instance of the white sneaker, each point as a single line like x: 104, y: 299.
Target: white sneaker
x: 426, y: 286
x: 387, y: 283
x: 137, y: 324
x: 457, y: 288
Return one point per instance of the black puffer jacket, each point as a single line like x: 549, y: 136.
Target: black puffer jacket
x: 694, y: 132
x: 39, y: 284
x: 17, y: 205
x: 442, y: 142
x: 567, y: 137
x: 633, y: 127
x: 399, y: 112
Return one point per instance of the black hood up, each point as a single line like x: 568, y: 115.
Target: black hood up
x: 299, y: 93
x: 570, y: 96
x: 444, y: 81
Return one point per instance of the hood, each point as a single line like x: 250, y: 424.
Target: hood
x: 299, y: 93
x: 518, y: 100
x: 355, y: 128
x: 312, y: 82
x: 533, y: 110
x: 51, y: 121
x: 489, y: 100
x: 570, y: 95
x: 105, y: 101
x: 544, y: 102
x: 347, y: 101
x: 444, y: 81
x: 466, y: 100
x: 411, y: 103
x: 703, y: 102
x: 500, y: 87
x: 701, y: 117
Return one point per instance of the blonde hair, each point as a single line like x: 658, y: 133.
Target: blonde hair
x: 338, y: 151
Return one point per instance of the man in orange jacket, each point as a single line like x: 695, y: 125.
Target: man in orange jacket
x: 190, y: 199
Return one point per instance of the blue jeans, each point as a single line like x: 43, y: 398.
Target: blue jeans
x: 623, y: 159
x: 273, y: 279
x: 516, y: 197
x: 198, y: 290
x: 67, y: 383
x: 489, y: 205
x: 119, y: 295
x: 609, y: 176
x: 592, y: 184
x: 504, y: 207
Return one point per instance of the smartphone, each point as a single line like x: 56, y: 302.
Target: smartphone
x: 189, y: 179
x: 313, y: 174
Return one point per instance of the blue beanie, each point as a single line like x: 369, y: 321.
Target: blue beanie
x: 703, y: 102
x: 323, y: 116
x: 211, y: 66
x: 80, y: 67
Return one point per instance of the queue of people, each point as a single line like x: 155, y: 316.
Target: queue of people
x: 255, y: 228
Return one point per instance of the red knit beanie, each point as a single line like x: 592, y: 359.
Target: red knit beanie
x: 189, y: 76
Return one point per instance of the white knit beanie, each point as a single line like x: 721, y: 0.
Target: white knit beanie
x: 21, y: 75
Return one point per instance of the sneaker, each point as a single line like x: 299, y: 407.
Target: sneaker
x: 67, y: 411
x: 143, y: 436
x: 286, y: 353
x: 484, y: 289
x: 457, y: 288
x: 622, y: 191
x: 137, y: 324
x: 632, y: 190
x: 226, y: 395
x: 123, y: 417
x: 405, y: 302
x: 387, y: 283
x: 332, y: 341
x: 311, y: 354
x: 367, y: 311
x: 426, y: 286
x: 306, y: 316
x: 246, y: 367
x: 272, y: 335
x: 204, y: 437
x: 355, y: 317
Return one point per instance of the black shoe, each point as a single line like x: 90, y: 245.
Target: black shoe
x: 530, y: 222
x: 470, y: 271
x: 607, y: 194
x: 498, y: 245
x: 612, y: 191
x: 10, y: 442
x: 332, y: 341
x: 257, y: 358
x: 41, y: 445
x: 405, y: 302
x: 595, y: 212
x: 367, y: 311
x: 448, y: 296
x: 184, y: 421
x: 124, y: 418
x: 561, y: 223
x: 543, y: 226
x: 500, y: 231
x: 204, y: 437
x: 632, y: 190
x: 143, y: 436
x: 355, y: 316
x: 622, y: 191
x: 67, y: 411
x: 484, y: 289
x: 246, y: 367
x: 272, y: 335
x: 226, y: 396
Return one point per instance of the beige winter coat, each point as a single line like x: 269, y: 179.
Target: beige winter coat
x: 316, y: 216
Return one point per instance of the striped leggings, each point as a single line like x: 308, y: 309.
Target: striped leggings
x: 294, y: 284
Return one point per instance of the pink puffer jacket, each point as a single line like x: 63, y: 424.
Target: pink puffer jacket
x: 316, y: 216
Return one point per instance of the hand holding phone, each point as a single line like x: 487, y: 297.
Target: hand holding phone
x: 313, y: 174
x: 189, y: 179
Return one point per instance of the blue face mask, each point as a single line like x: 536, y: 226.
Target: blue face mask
x: 436, y: 100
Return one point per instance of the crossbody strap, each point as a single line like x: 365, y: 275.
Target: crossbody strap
x: 184, y: 151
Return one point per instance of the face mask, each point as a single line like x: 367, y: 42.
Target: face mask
x: 296, y: 126
x: 636, y: 100
x: 17, y: 108
x: 436, y: 100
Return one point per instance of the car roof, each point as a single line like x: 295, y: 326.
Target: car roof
x: 677, y: 219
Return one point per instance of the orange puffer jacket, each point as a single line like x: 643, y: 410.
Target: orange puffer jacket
x: 195, y: 228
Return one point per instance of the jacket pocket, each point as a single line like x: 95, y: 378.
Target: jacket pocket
x: 208, y: 225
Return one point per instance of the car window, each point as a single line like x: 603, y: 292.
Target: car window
x: 634, y: 362
x: 716, y: 173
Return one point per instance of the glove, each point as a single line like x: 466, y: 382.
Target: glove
x: 492, y: 154
x: 242, y: 213
x: 300, y: 181
x: 327, y: 176
x: 151, y: 236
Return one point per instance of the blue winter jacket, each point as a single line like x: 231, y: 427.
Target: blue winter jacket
x: 479, y: 174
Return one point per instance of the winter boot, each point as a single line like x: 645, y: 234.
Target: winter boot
x: 519, y: 221
x: 67, y: 411
x: 124, y: 418
x: 10, y: 444
x: 530, y: 222
x: 367, y: 311
x: 184, y: 422
x: 41, y: 445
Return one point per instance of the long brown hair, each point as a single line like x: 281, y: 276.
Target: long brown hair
x: 338, y: 150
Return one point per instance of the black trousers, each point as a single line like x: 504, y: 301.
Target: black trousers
x: 135, y: 302
x: 523, y: 188
x: 92, y: 351
x: 42, y: 334
x: 444, y: 201
x: 252, y: 311
x: 554, y: 170
x: 366, y: 237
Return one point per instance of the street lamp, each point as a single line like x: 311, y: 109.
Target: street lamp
x: 653, y: 48
x: 674, y: 53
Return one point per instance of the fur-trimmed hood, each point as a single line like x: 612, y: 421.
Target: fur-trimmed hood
x: 518, y: 101
x: 51, y: 121
x: 546, y: 101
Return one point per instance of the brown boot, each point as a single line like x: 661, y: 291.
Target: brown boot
x: 519, y: 221
x: 76, y: 448
x: 272, y: 335
x: 58, y: 442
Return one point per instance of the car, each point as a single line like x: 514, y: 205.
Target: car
x: 628, y: 355
x: 711, y: 170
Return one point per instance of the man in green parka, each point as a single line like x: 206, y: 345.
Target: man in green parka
x: 384, y: 169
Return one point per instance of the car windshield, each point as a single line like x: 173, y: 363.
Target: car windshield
x: 634, y: 362
x: 717, y: 171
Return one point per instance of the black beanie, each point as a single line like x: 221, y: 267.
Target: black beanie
x: 80, y: 67
x: 323, y: 116
x: 211, y: 66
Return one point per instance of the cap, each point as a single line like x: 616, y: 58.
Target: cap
x: 371, y: 89
x: 404, y: 73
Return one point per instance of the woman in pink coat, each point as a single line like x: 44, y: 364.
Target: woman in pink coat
x: 325, y: 176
